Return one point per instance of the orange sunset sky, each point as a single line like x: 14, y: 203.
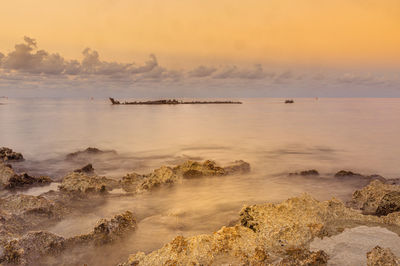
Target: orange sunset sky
x: 341, y: 35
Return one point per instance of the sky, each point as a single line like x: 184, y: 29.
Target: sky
x: 200, y: 48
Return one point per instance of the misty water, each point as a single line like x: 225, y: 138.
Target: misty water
x: 329, y: 135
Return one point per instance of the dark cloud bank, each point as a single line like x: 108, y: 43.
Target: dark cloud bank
x: 28, y: 67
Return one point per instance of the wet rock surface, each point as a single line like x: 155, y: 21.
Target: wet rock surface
x: 90, y: 151
x: 11, y: 180
x: 266, y: 234
x: 166, y: 175
x: 311, y: 172
x: 33, y: 247
x: 343, y: 174
x: 7, y: 155
x: 107, y: 231
x: 371, y: 197
x: 83, y: 183
x: 382, y: 257
x: 88, y: 169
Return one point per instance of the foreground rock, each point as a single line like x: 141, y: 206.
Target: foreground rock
x: 21, y: 213
x: 34, y: 246
x: 377, y: 198
x: 190, y: 169
x: 79, y: 182
x: 267, y: 234
x: 89, y: 152
x: 11, y: 180
x: 382, y: 257
x: 8, y: 155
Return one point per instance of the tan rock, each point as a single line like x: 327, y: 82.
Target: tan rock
x: 266, y: 234
x: 82, y: 183
x: 381, y: 257
x: 368, y: 198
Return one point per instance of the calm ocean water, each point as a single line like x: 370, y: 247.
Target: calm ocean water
x: 329, y: 135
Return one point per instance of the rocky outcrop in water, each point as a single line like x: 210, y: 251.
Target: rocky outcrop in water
x: 382, y: 257
x: 7, y: 155
x: 83, y: 183
x: 107, y: 231
x: 342, y: 174
x: 87, y: 169
x: 21, y: 213
x: 90, y: 151
x: 376, y: 196
x: 311, y: 172
x: 33, y: 246
x: 11, y: 180
x: 190, y: 169
x: 267, y: 234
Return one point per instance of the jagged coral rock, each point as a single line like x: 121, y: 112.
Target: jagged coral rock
x: 28, y: 249
x: 83, y: 183
x: 11, y: 180
x: 265, y: 234
x: 107, y: 231
x: 190, y: 169
x: 33, y: 246
x: 389, y: 203
x: 382, y: 257
x: 193, y: 169
x: 370, y: 197
x: 7, y: 154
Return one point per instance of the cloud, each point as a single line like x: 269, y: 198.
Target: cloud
x: 350, y: 78
x: 256, y: 72
x: 28, y: 59
x: 201, y: 71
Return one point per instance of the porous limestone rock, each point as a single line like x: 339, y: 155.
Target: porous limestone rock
x: 82, y: 183
x: 32, y: 247
x: 107, y: 231
x: 369, y: 198
x: 265, y: 234
x: 389, y: 203
x: 190, y: 169
x: 193, y: 169
x: 161, y: 176
x: 382, y: 257
x: 7, y: 154
x: 11, y: 180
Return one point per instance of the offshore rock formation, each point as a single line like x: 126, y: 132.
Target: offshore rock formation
x: 382, y: 257
x: 267, y: 234
x: 82, y: 183
x: 311, y: 172
x: 90, y: 151
x: 190, y: 169
x: 7, y: 155
x: 342, y: 174
x: 11, y: 180
x: 377, y: 198
x: 33, y: 246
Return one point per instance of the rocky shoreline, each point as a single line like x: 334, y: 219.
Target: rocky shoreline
x: 264, y: 234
